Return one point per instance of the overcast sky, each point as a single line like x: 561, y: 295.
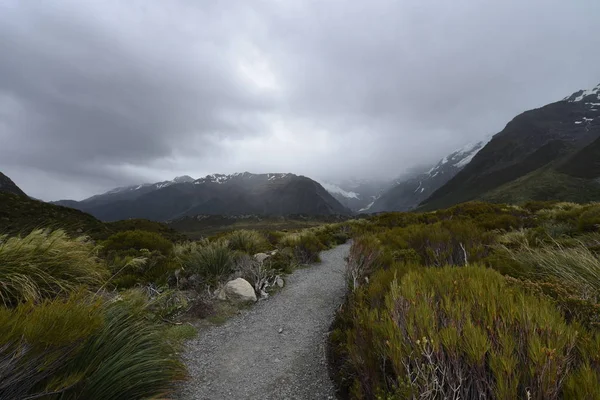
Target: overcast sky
x: 96, y: 94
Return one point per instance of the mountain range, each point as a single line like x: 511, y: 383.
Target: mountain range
x: 235, y: 194
x: 548, y: 153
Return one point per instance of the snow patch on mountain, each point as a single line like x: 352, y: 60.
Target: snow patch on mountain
x: 459, y: 158
x: 583, y: 94
x: 368, y: 207
x: 462, y: 163
x: 331, y: 188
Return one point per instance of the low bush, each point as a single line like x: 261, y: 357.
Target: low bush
x: 463, y: 333
x: 305, y: 246
x: 284, y: 261
x: 273, y: 237
x: 363, y: 259
x: 454, y: 242
x: 44, y: 264
x: 589, y: 220
x: 260, y: 275
x: 138, y: 240
x: 332, y: 235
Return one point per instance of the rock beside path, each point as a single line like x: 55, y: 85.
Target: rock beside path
x: 239, y: 291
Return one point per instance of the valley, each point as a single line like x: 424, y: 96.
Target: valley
x: 299, y: 200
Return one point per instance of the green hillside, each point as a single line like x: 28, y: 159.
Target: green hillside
x: 21, y: 215
x: 545, y: 184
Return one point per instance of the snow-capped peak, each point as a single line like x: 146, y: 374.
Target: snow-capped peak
x: 459, y: 158
x: 215, y: 178
x: 183, y: 179
x: 584, y: 94
x: 331, y: 188
x: 222, y: 178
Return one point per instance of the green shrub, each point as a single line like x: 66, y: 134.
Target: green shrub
x: 138, y: 240
x: 250, y: 242
x: 283, y: 261
x: 461, y: 332
x: 273, y: 237
x: 44, y: 264
x: 454, y: 242
x: 363, y: 259
x: 589, y: 220
x: 535, y: 206
x: 136, y: 224
x: 131, y: 268
x: 305, y: 246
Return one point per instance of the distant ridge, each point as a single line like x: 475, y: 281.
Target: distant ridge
x: 218, y: 194
x: 548, y: 153
x: 406, y: 194
x: 7, y: 185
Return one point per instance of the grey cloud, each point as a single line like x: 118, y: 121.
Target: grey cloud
x: 103, y: 93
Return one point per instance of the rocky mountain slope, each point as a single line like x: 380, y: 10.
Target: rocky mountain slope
x: 7, y: 185
x: 556, y: 142
x: 408, y: 193
x: 236, y: 194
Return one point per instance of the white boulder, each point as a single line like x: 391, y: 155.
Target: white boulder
x: 238, y: 290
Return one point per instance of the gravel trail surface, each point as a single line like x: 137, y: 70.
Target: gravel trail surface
x: 277, y: 348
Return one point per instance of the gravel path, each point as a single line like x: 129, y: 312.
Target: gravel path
x: 247, y: 357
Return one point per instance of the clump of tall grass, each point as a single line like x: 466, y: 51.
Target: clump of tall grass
x: 127, y: 358
x: 250, y: 242
x: 61, y: 338
x: 575, y: 266
x: 212, y: 261
x: 44, y: 264
x: 80, y: 348
x: 39, y: 340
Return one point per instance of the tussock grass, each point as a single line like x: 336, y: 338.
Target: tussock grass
x: 127, y: 358
x: 62, y: 337
x: 250, y: 242
x: 575, y: 266
x: 82, y: 349
x: 211, y: 261
x: 44, y: 264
